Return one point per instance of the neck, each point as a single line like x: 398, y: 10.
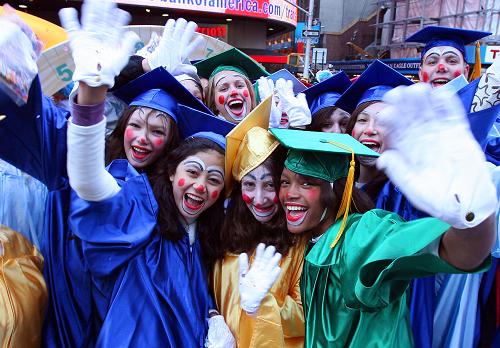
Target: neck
x: 368, y: 173
x: 323, y: 226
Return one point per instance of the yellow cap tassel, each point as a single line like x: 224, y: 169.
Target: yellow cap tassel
x: 476, y: 72
x: 347, y: 195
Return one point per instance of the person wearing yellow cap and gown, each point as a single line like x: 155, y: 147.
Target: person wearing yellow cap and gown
x: 254, y: 162
x: 359, y: 263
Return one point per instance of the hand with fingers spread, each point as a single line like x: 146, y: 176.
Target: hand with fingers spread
x: 255, y: 282
x: 175, y: 45
x: 295, y: 107
x: 99, y: 46
x: 433, y: 157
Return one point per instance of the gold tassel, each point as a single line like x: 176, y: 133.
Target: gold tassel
x: 347, y: 195
x: 476, y: 71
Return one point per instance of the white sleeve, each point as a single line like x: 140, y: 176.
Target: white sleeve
x: 86, y: 167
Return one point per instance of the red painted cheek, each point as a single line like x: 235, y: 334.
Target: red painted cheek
x: 246, y: 198
x: 353, y: 134
x: 245, y: 93
x: 313, y: 195
x: 159, y: 142
x: 425, y: 77
x: 276, y: 199
x: 221, y: 100
x: 129, y: 134
x: 215, y: 194
x: 457, y: 73
x: 181, y: 182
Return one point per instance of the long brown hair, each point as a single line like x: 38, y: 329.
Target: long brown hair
x: 210, y: 96
x: 320, y: 118
x: 241, y: 232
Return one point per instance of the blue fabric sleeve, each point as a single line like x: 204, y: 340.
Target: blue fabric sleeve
x: 114, y: 230
x: 33, y: 137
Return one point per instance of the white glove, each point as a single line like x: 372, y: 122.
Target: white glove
x: 295, y: 107
x: 433, y: 158
x: 151, y: 46
x: 219, y: 335
x: 99, y: 46
x: 175, y: 47
x: 256, y: 282
x: 266, y: 88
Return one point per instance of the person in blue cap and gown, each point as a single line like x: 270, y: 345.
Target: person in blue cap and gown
x: 322, y: 98
x: 438, y: 320
x: 33, y: 138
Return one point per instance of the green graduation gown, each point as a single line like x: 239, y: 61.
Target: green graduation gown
x: 354, y: 294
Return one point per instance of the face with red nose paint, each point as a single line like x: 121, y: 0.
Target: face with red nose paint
x: 300, y: 196
x: 259, y: 193
x: 442, y: 64
x: 232, y: 97
x: 197, y: 183
x: 145, y: 137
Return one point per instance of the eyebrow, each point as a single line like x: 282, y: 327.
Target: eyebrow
x: 217, y: 171
x: 195, y: 163
x: 223, y: 77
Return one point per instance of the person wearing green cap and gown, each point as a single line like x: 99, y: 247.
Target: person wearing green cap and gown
x: 358, y: 266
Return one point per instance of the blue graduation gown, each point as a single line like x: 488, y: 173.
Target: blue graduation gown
x: 152, y: 291
x: 33, y: 139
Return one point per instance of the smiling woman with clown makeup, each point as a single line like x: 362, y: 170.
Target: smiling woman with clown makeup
x: 74, y: 267
x: 230, y: 93
x: 274, y: 317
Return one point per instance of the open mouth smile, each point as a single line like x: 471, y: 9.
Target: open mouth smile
x: 295, y: 214
x: 139, y: 153
x: 372, y: 144
x: 192, y: 204
x: 264, y: 211
x: 236, y: 108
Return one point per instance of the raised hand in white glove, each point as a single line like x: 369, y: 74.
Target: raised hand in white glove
x: 433, y: 157
x: 266, y: 89
x: 219, y: 335
x: 255, y: 282
x: 175, y: 46
x: 295, y: 107
x: 99, y: 46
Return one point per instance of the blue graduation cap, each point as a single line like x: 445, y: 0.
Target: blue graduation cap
x: 327, y: 92
x: 371, y: 85
x: 158, y: 89
x: 194, y: 123
x: 433, y: 36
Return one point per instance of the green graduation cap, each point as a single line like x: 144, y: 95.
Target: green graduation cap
x: 233, y: 60
x: 326, y: 156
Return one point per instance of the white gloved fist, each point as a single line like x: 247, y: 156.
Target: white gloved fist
x: 433, y: 157
x: 295, y: 107
x: 175, y: 46
x: 255, y: 282
x: 99, y: 46
x: 219, y: 335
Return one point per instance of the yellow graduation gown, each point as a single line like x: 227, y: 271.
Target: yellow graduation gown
x: 280, y: 319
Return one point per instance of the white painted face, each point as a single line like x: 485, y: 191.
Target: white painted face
x: 442, y: 64
x: 232, y: 97
x: 259, y: 193
x: 197, y: 183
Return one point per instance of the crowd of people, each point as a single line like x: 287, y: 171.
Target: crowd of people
x: 229, y: 207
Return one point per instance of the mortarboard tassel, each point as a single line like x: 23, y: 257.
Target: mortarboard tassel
x: 347, y: 195
x: 476, y: 71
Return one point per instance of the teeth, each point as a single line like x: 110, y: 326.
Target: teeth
x: 440, y: 81
x: 194, y: 198
x: 139, y: 150
x: 295, y: 208
x: 234, y: 102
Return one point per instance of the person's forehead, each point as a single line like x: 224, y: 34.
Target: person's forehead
x: 227, y: 76
x: 441, y: 50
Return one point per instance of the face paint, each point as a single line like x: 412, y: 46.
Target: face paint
x: 231, y: 95
x: 145, y: 136
x: 203, y: 180
x: 442, y: 64
x: 299, y: 196
x: 368, y: 132
x: 259, y: 194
